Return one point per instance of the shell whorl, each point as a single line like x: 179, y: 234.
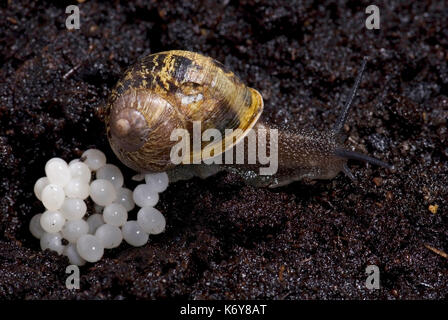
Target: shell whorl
x: 170, y: 90
x: 129, y: 129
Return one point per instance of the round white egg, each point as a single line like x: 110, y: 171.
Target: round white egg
x: 111, y: 173
x: 110, y: 236
x: 158, y: 181
x: 90, y: 248
x: 145, y: 196
x: 73, y: 255
x: 73, y: 209
x: 52, y: 241
x: 125, y: 198
x: 52, y: 221
x: 35, y: 227
x: 74, y: 161
x: 94, y: 221
x: 94, y: 159
x: 53, y: 197
x: 115, y: 214
x: 72, y: 230
x: 151, y: 220
x: 57, y: 171
x: 77, y: 188
x: 63, y: 192
x: 39, y: 186
x: 80, y: 170
x: 102, y: 192
x: 134, y: 234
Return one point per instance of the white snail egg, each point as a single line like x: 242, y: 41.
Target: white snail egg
x: 90, y: 248
x: 94, y: 221
x: 72, y: 230
x: 73, y: 161
x: 95, y: 159
x: 52, y: 221
x: 115, y: 214
x: 53, y: 196
x: 73, y: 209
x: 35, y: 227
x: 73, y: 255
x: 40, y: 184
x: 102, y: 192
x: 63, y: 192
x: 111, y: 173
x: 77, y: 188
x: 110, y: 236
x: 125, y: 198
x: 52, y: 241
x: 145, y: 196
x: 151, y: 220
x: 134, y: 234
x: 158, y: 181
x: 57, y: 171
x: 80, y: 170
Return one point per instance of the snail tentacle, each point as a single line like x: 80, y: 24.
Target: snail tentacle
x: 353, y: 155
x: 348, y: 173
x: 344, y: 113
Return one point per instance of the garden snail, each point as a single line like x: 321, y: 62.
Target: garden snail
x: 173, y: 89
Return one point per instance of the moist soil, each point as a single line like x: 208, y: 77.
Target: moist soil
x: 224, y: 239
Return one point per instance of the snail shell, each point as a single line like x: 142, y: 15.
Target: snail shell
x: 167, y: 91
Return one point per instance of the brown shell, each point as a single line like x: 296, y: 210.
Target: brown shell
x: 170, y: 90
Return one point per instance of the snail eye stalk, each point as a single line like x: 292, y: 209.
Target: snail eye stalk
x: 347, y: 154
x: 344, y: 113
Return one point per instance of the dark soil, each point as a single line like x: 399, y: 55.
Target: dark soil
x: 223, y: 239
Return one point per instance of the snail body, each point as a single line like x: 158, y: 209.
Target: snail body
x: 173, y: 90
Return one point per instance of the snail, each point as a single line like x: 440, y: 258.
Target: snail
x: 169, y: 90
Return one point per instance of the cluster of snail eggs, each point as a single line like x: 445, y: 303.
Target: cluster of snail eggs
x: 64, y: 192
